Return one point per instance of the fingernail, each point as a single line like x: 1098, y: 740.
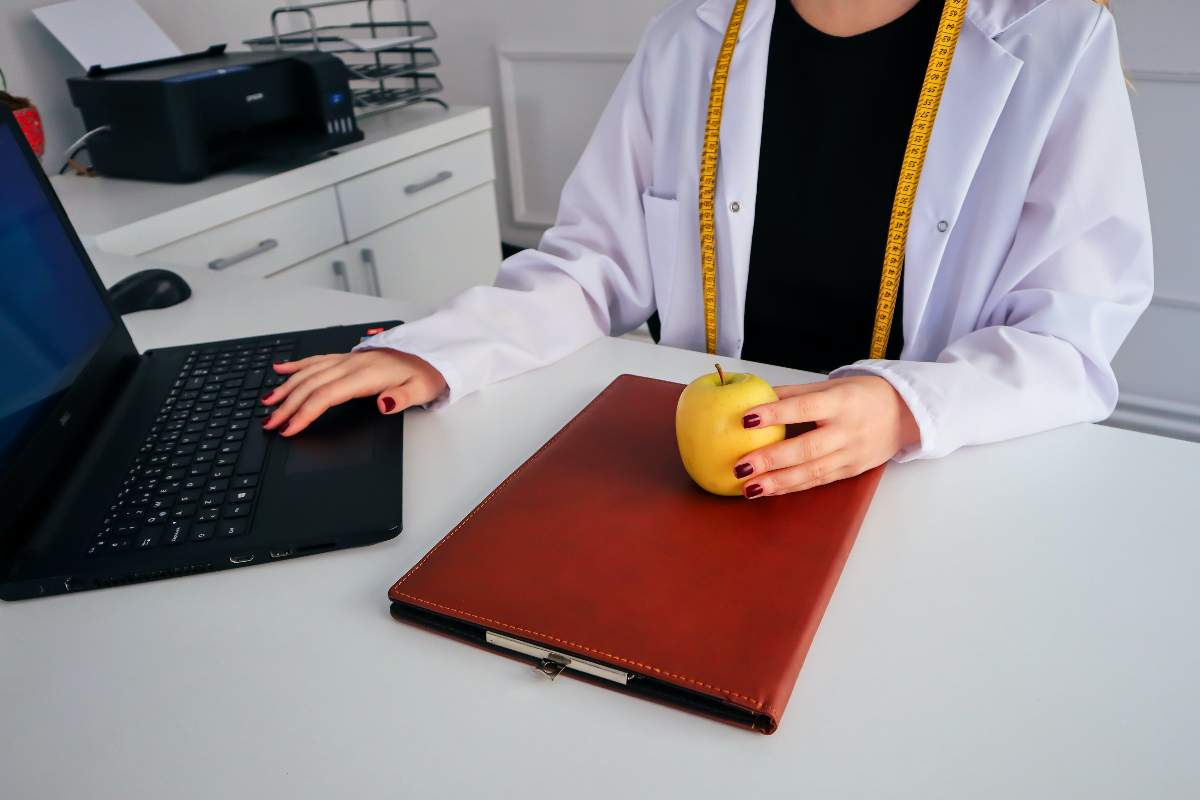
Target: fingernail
x: 742, y: 470
x: 751, y: 421
x: 267, y: 396
x: 389, y: 405
x: 753, y: 490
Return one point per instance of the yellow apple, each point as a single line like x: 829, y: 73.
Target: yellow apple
x: 708, y: 426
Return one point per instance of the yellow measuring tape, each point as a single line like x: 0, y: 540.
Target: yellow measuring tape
x: 953, y: 13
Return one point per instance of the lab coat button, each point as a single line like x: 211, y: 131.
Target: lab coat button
x: 735, y: 206
x: 943, y: 226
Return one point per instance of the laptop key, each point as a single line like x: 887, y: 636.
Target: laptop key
x: 245, y: 481
x: 232, y: 528
x: 254, y: 450
x: 202, y: 533
x: 208, y: 514
x: 176, y: 533
x: 254, y: 379
x: 184, y: 512
x: 148, y: 538
x: 234, y: 511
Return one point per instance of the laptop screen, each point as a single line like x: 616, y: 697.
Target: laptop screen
x: 52, y: 317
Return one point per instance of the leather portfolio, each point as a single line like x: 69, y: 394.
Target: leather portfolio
x: 600, y: 559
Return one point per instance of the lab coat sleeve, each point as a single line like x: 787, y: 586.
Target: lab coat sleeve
x: 590, y: 275
x: 1078, y: 275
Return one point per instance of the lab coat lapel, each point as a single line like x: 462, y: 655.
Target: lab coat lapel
x: 981, y: 76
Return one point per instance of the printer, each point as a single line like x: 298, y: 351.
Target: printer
x: 183, y: 118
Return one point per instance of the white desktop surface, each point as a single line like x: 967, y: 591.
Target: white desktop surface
x: 1015, y: 621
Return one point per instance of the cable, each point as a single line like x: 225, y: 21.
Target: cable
x: 81, y: 143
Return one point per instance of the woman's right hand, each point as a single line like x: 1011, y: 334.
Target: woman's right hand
x: 318, y: 383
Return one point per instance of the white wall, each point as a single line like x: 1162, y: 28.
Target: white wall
x: 571, y: 91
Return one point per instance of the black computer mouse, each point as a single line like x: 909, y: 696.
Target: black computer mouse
x: 148, y: 289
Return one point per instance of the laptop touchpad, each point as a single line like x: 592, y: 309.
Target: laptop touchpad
x: 342, y: 437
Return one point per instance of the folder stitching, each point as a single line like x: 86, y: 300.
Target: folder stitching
x: 758, y: 705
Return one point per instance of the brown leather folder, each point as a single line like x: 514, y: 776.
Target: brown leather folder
x: 599, y: 557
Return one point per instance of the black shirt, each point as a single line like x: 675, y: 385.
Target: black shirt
x: 836, y: 118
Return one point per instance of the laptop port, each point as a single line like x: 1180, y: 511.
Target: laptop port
x: 246, y: 559
x: 284, y: 553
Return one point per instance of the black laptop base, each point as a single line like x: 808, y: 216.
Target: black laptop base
x: 180, y: 479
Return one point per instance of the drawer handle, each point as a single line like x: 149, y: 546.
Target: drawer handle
x: 339, y: 269
x: 229, y: 261
x: 368, y: 259
x: 441, y: 177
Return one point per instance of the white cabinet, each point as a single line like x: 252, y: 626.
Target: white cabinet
x: 264, y: 242
x: 430, y: 256
x: 398, y: 190
x: 425, y: 258
x: 329, y: 270
x: 409, y: 212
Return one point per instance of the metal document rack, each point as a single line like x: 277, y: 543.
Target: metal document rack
x: 390, y: 61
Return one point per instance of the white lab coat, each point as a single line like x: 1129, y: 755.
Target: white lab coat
x: 1028, y: 258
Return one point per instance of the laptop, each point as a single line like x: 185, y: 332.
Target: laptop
x: 118, y: 467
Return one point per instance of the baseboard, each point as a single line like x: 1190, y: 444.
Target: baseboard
x: 1162, y: 417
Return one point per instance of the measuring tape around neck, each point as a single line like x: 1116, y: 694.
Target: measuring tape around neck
x: 949, y: 26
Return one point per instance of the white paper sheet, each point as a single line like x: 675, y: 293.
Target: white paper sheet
x: 110, y: 33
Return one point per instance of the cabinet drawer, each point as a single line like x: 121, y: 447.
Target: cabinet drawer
x: 339, y: 268
x: 264, y: 242
x: 378, y: 198
x: 435, y: 254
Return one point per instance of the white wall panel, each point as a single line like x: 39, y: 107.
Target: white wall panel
x: 551, y: 102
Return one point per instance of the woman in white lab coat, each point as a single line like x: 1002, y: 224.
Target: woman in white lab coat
x: 1027, y: 261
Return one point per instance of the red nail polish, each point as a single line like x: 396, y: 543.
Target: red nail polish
x: 753, y: 490
x: 742, y: 470
x: 265, y: 396
x: 389, y: 405
x: 751, y: 421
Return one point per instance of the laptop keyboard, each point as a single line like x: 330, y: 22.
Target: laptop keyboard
x: 196, y: 476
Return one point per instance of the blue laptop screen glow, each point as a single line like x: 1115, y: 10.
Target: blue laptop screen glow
x: 52, y: 319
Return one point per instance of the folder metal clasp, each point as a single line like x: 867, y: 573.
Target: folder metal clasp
x: 552, y: 665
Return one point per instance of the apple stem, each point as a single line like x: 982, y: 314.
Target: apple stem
x: 721, y: 374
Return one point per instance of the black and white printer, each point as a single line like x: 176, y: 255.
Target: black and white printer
x: 183, y: 118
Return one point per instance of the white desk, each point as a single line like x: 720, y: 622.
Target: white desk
x: 1015, y: 621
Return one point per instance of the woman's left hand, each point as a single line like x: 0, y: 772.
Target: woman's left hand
x: 860, y: 422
